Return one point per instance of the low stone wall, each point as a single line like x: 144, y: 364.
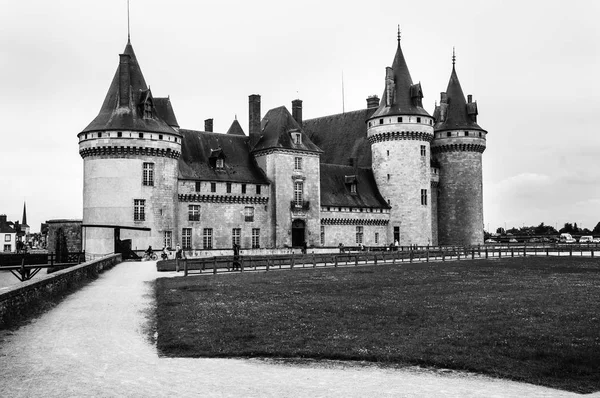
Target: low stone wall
x: 19, y: 301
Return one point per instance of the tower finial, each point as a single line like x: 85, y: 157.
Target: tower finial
x: 453, y: 57
x: 128, y: 31
x: 399, y: 33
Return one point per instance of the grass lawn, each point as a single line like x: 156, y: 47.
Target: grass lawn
x: 535, y: 320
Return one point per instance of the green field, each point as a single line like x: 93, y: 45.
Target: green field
x: 535, y: 320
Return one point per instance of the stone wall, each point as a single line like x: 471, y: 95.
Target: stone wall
x: 71, y: 230
x: 27, y: 298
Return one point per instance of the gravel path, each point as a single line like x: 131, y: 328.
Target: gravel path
x: 94, y: 344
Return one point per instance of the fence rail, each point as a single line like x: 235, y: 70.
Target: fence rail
x: 220, y: 264
x: 25, y: 266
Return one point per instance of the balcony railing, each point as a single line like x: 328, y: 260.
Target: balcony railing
x: 299, y: 205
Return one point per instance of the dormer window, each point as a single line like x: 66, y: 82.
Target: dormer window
x: 353, y: 188
x: 297, y: 138
x: 147, y: 110
x: 352, y: 182
x: 220, y: 163
x: 217, y: 159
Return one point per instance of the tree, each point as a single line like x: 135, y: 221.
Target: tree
x: 501, y: 230
x: 596, y: 229
x: 567, y: 229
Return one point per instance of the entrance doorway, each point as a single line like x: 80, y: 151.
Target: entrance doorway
x: 298, y: 227
x: 397, y: 234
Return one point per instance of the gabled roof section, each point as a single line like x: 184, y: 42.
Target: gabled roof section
x: 195, y: 160
x: 342, y: 137
x: 454, y: 112
x: 123, y: 105
x: 400, y: 96
x: 236, y: 129
x: 335, y: 187
x: 277, y: 127
x: 165, y: 111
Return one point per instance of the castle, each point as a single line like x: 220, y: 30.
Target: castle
x: 390, y: 172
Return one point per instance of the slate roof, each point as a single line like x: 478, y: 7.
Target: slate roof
x: 335, y: 191
x: 165, y: 111
x: 115, y: 116
x: 457, y: 115
x: 236, y: 129
x: 403, y: 104
x: 341, y: 137
x: 239, y: 165
x: 276, y: 126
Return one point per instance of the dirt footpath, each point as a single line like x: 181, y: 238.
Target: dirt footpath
x: 95, y: 344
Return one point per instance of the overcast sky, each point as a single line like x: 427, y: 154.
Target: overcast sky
x: 532, y: 66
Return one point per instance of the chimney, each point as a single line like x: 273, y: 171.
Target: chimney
x: 2, y: 219
x: 254, y: 118
x: 372, y: 101
x: 208, y: 125
x: 297, y: 111
x: 443, y: 98
x: 124, y: 79
x: 469, y: 98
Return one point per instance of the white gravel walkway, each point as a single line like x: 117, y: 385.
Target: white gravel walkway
x: 94, y: 344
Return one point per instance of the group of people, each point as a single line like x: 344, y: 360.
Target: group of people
x: 166, y: 251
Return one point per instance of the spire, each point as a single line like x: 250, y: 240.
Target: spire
x: 453, y: 58
x: 24, y: 218
x: 401, y: 96
x: 128, y: 31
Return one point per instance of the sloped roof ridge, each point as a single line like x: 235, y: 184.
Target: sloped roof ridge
x: 336, y: 114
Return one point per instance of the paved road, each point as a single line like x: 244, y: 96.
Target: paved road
x: 95, y: 344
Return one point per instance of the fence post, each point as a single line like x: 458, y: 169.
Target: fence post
x: 214, y: 265
x: 427, y: 253
x: 410, y: 256
x: 335, y: 264
x: 293, y: 261
x: 512, y: 252
x: 592, y: 253
x: 486, y: 253
x: 571, y: 251
x: 457, y: 253
x: 500, y: 253
x: 314, y: 261
x: 356, y: 260
x: 241, y: 263
x: 268, y: 264
x: 443, y: 255
x: 185, y: 268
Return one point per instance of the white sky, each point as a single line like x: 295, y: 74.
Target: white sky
x: 532, y: 66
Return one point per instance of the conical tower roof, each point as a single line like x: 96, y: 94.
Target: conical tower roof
x: 24, y: 218
x: 235, y: 128
x: 457, y: 113
x: 399, y: 85
x: 124, y: 103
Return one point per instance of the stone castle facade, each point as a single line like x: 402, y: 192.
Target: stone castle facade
x: 390, y: 172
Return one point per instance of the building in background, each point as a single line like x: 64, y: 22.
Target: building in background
x: 388, y: 173
x: 8, y: 235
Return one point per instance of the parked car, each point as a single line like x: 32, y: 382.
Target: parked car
x: 513, y: 240
x: 566, y: 238
x: 490, y: 241
x: 586, y: 239
x: 596, y: 240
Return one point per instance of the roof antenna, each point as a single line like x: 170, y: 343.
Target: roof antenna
x: 128, y: 31
x: 453, y: 57
x: 343, y: 105
x: 399, y: 33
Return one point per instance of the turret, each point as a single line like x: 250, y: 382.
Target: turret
x: 457, y: 148
x: 130, y: 153
x: 399, y: 132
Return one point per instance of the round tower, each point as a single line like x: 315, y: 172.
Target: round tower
x: 457, y: 148
x: 400, y: 132
x: 130, y: 157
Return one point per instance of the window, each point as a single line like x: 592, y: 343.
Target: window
x: 297, y: 163
x: 423, y: 150
x: 480, y: 134
x: 213, y: 187
x: 168, y: 238
x: 400, y: 119
x: 194, y: 212
x: 258, y: 189
x: 388, y: 152
x: 449, y: 134
x: 430, y: 121
x: 119, y: 134
x: 466, y: 133
x: 148, y: 179
x: 376, y: 237
x: 186, y: 238
x: 353, y: 187
x: 369, y: 124
x: 139, y: 213
x: 236, y: 234
x: 228, y: 187
x: 99, y: 135
x: 423, y: 197
x: 7, y: 248
x: 86, y: 136
x: 418, y: 120
x: 249, y: 213
x: 298, y: 193
x: 141, y: 135
x: 388, y: 177
x: 7, y: 237
x: 220, y: 163
x: 255, y: 238
x: 198, y: 186
x: 322, y: 235
x: 359, y: 234
x: 380, y: 121
x: 207, y: 238
x: 243, y: 188
x: 296, y: 138
x: 147, y: 110
x: 160, y: 136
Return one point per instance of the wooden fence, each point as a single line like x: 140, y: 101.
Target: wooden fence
x: 220, y: 264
